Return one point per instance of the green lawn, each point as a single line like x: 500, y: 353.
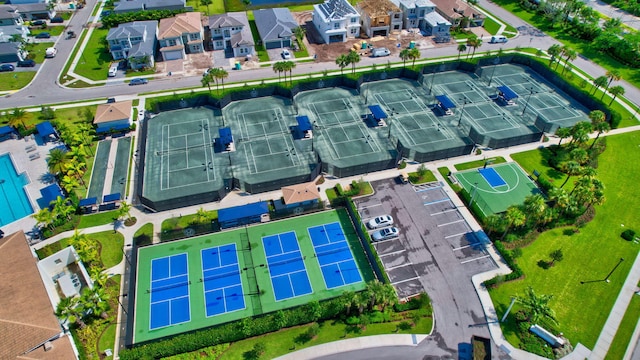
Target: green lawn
x: 15, y: 80
x: 95, y: 60
x: 110, y: 247
x: 537, y: 160
x: 37, y: 50
x: 491, y: 26
x: 102, y: 218
x: 52, y: 30
x: 182, y: 222
x: 479, y: 163
x: 216, y: 7
x: 627, y: 326
x: 427, y: 177
x: 589, y: 255
x: 63, y: 75
x: 108, y: 339
x: 144, y: 235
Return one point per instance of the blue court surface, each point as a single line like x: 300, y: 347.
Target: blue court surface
x: 493, y: 178
x: 286, y: 266
x: 221, y: 277
x: 334, y: 255
x: 169, y: 291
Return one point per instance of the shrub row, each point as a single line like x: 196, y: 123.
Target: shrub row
x: 511, y: 262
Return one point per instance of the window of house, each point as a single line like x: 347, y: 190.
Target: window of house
x: 194, y: 36
x: 421, y: 13
x: 336, y: 25
x: 196, y: 48
x: 218, y: 43
x: 396, y: 27
x: 354, y: 31
x: 412, y: 11
x: 354, y: 20
x: 216, y: 31
x: 171, y: 42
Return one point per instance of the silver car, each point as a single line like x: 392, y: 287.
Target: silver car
x: 380, y: 221
x: 385, y: 234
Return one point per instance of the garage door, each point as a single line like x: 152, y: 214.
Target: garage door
x: 272, y: 45
x: 172, y: 55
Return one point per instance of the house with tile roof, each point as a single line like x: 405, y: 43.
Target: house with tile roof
x: 458, y: 11
x: 231, y: 32
x: 297, y: 198
x: 29, y: 328
x: 336, y: 21
x: 181, y: 35
x: 422, y: 14
x: 379, y: 17
x: 135, y: 42
x: 148, y: 5
x: 113, y: 116
x: 276, y: 27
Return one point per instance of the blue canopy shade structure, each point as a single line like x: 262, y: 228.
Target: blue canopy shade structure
x: 88, y: 202
x: 45, y: 129
x: 50, y: 193
x: 445, y: 102
x: 111, y: 198
x: 225, y: 135
x: 241, y: 215
x: 303, y: 123
x: 507, y: 93
x: 119, y: 127
x: 377, y: 112
x: 4, y: 130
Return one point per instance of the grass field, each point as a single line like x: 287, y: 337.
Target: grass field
x: 491, y: 26
x: 537, y: 160
x: 95, y: 60
x: 110, y: 247
x: 259, y: 302
x: 590, y: 254
x: 15, y: 80
x: 479, y: 163
x: 102, y: 218
x: 627, y: 326
x: 52, y: 30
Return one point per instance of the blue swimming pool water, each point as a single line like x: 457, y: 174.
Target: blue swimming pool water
x: 14, y: 203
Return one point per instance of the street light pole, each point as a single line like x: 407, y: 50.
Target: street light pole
x: 612, y: 270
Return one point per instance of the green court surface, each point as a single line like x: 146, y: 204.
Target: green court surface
x: 255, y: 277
x: 99, y: 171
x: 493, y: 200
x: 121, y: 166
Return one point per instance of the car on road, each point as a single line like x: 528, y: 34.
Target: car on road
x: 26, y: 63
x: 38, y: 22
x: 385, y: 234
x: 285, y: 54
x: 43, y: 35
x: 50, y: 52
x: 57, y: 20
x: 498, y: 39
x: 138, y: 81
x: 7, y: 67
x: 380, y: 221
x: 379, y: 52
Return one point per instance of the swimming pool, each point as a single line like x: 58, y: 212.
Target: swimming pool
x: 14, y: 203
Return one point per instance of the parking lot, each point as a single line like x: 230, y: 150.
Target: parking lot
x: 436, y: 252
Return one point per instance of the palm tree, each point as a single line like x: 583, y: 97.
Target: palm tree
x: 475, y: 43
x: 374, y: 288
x: 342, y: 61
x: 580, y: 132
x: 16, y: 118
x: 571, y: 168
x: 61, y: 208
x: 206, y: 3
x: 612, y: 75
x: 535, y: 206
x: 94, y: 301
x: 563, y: 133
x: 277, y: 67
x: 554, y: 50
x: 354, y: 58
x: 70, y: 309
x: 579, y: 155
x: 220, y: 74
x: 289, y: 66
x: 98, y: 276
x: 461, y: 48
x: 76, y: 169
x: 596, y: 116
x: 84, y: 246
x: 69, y: 183
x: 124, y: 211
x: 615, y: 91
x: 77, y: 153
x: 206, y: 80
x: 44, y: 217
x: 598, y: 82
x: 513, y: 217
x: 560, y: 198
x: 404, y: 55
x: 600, y: 127
x: 349, y: 299
x: 57, y: 161
x: 299, y: 33
x: 493, y: 223
x: 536, y: 306
x: 414, y: 54
x: 571, y: 55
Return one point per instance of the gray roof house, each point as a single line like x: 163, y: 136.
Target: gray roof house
x: 10, y: 52
x: 140, y: 5
x: 232, y: 33
x: 36, y: 11
x: 11, y: 23
x: 336, y: 21
x: 275, y: 26
x: 134, y: 41
x: 422, y: 14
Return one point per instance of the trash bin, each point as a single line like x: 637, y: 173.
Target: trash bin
x: 364, y: 45
x: 412, y: 45
x: 238, y: 66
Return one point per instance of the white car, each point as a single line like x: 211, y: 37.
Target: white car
x: 285, y: 54
x: 385, y: 234
x: 380, y: 221
x: 50, y: 52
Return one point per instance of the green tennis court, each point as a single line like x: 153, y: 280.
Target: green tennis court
x: 499, y: 188
x: 215, y: 292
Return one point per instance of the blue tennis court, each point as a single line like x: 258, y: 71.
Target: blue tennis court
x: 169, y: 291
x: 221, y: 277
x: 493, y: 178
x: 286, y: 266
x: 334, y: 255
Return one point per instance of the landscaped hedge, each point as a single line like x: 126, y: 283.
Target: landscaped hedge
x: 511, y: 262
x: 113, y: 19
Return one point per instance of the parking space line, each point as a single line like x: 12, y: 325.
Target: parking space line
x: 454, y: 235
x: 405, y: 280
x: 436, y: 201
x: 474, y: 259
x: 392, y: 253
x: 399, y: 266
x: 450, y: 223
x: 367, y: 207
x: 383, y: 241
x: 444, y: 212
x: 464, y: 247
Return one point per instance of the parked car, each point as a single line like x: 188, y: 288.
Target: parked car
x: 380, y: 221
x: 111, y: 100
x: 43, y: 35
x: 385, y: 234
x: 26, y: 63
x: 38, y: 22
x: 57, y: 20
x: 138, y: 81
x: 50, y: 52
x: 378, y: 52
x: 285, y: 54
x: 7, y: 67
x: 498, y: 39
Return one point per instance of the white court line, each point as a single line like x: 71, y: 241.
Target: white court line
x: 454, y: 235
x: 450, y: 223
x: 399, y: 266
x: 392, y: 253
x: 405, y: 280
x: 443, y: 212
x: 475, y: 259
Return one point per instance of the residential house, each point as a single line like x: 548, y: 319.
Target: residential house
x: 143, y: 5
x: 36, y: 11
x: 10, y: 52
x: 180, y: 35
x: 336, y: 21
x: 30, y: 330
x: 455, y: 11
x: 422, y: 15
x: 231, y: 32
x: 379, y: 17
x: 135, y: 42
x: 113, y: 116
x: 276, y: 27
x: 11, y: 23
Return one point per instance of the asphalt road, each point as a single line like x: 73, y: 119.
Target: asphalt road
x: 45, y: 89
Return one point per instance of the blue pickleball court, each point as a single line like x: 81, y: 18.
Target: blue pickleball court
x: 221, y: 278
x: 493, y: 178
x: 288, y: 273
x: 169, y: 291
x: 334, y: 255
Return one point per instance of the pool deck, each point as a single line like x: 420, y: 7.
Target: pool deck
x: 36, y: 170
